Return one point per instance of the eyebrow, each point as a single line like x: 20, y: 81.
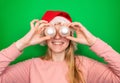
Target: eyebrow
x: 58, y: 23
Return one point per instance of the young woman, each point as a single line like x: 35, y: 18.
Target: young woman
x: 59, y: 65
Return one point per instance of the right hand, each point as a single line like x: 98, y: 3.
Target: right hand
x: 33, y: 36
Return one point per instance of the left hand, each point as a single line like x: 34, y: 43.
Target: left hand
x: 83, y: 35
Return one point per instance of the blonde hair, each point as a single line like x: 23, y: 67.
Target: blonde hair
x: 74, y: 75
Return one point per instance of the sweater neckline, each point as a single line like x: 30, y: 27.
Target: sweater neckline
x: 52, y: 62
x: 55, y: 62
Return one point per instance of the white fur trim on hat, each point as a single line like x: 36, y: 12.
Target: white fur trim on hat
x: 59, y: 19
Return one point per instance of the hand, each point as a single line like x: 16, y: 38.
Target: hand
x: 33, y: 36
x: 83, y: 35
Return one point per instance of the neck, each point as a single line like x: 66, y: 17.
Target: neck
x: 58, y: 56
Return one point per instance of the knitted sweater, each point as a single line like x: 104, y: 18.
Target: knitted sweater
x: 36, y: 70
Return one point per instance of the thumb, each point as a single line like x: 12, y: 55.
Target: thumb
x: 71, y: 38
x: 44, y: 39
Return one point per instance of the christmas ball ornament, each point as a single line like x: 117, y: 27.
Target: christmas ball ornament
x: 64, y: 31
x: 50, y: 31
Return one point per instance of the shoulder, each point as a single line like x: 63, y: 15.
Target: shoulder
x: 84, y: 61
x: 27, y: 61
x: 83, y: 58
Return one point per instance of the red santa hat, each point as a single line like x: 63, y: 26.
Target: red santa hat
x: 49, y: 15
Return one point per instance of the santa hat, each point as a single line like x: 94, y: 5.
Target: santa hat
x: 49, y: 15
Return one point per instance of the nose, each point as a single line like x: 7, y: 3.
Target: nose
x: 57, y: 36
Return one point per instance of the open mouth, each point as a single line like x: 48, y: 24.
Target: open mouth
x: 57, y: 42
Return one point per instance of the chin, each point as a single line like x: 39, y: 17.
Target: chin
x: 58, y: 48
x: 57, y: 51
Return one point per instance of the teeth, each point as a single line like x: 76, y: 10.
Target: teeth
x: 57, y: 42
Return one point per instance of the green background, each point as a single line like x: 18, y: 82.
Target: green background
x: 100, y: 17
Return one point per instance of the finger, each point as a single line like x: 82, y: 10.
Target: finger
x: 84, y: 30
x: 72, y: 27
x: 32, y: 23
x: 44, y: 38
x: 40, y: 22
x: 78, y: 24
x: 69, y: 24
x: 65, y: 24
x: 43, y: 26
x: 71, y: 38
x: 41, y: 31
x: 29, y: 35
x: 43, y: 21
x: 79, y: 28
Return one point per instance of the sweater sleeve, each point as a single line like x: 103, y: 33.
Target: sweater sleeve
x: 18, y: 73
x: 103, y: 73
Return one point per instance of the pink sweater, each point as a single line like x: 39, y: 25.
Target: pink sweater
x: 37, y: 70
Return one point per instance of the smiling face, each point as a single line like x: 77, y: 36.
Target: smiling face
x: 58, y: 43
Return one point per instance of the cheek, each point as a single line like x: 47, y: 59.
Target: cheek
x: 67, y: 43
x: 48, y: 42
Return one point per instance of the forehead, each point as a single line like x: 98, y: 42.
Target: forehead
x: 57, y: 25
